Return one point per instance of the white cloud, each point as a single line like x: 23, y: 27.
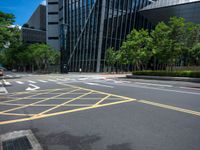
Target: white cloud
x: 44, y: 2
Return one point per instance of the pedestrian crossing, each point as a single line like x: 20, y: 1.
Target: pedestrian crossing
x: 50, y: 80
x: 7, y: 83
x: 18, y: 75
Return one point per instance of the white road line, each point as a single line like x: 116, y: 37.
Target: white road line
x: 43, y: 81
x: 96, y: 84
x: 160, y: 89
x: 9, y: 76
x: 82, y: 79
x: 151, y: 84
x: 32, y: 81
x: 51, y: 80
x: 19, y: 82
x: 3, y: 90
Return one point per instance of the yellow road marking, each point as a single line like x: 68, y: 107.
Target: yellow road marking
x: 64, y: 112
x: 46, y: 105
x: 38, y: 91
x: 170, y: 107
x: 104, y: 93
x: 46, y: 99
x: 18, y: 99
x: 63, y: 103
x: 14, y: 114
x: 103, y: 99
x: 97, y: 105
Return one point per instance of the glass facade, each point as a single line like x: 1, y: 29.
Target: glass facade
x: 162, y: 10
x: 89, y: 27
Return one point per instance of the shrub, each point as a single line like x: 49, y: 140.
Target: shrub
x: 194, y: 74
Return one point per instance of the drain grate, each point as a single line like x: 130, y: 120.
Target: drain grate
x: 21, y: 143
x: 19, y: 140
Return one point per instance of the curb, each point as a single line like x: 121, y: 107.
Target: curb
x: 185, y: 79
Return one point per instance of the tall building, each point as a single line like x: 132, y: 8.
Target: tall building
x: 34, y: 31
x: 89, y: 27
x: 162, y: 10
x: 53, y: 23
x: 84, y: 29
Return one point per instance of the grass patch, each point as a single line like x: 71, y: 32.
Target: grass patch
x: 193, y: 74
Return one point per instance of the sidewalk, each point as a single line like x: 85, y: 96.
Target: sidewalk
x: 185, y: 79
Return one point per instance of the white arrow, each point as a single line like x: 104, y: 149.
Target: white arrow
x: 32, y: 89
x: 6, y: 83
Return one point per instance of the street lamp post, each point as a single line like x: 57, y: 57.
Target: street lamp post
x: 65, y: 68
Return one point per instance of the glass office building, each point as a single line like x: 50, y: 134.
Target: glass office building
x: 89, y: 27
x: 162, y: 10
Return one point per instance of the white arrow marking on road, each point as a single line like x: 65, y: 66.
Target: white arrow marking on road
x: 19, y: 82
x: 6, y: 83
x: 32, y: 89
x: 31, y: 81
x: 96, y: 84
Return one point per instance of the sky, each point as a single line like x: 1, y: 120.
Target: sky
x: 22, y: 9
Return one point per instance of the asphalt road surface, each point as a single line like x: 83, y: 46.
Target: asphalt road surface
x: 101, y: 112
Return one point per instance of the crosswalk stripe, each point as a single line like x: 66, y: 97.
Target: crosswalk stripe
x: 51, y: 80
x: 9, y: 76
x: 42, y: 81
x: 32, y: 81
x: 19, y: 82
x: 3, y: 90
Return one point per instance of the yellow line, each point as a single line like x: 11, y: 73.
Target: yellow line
x: 104, y: 93
x: 30, y: 92
x: 37, y: 102
x: 170, y: 107
x: 64, y: 112
x: 18, y: 99
x: 103, y: 99
x: 14, y: 114
x: 63, y: 104
x: 46, y: 105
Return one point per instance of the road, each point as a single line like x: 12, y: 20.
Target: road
x: 102, y: 112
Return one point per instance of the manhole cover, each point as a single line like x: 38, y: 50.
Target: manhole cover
x: 21, y: 143
x: 19, y: 140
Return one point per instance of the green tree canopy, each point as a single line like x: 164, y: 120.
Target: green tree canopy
x: 136, y: 50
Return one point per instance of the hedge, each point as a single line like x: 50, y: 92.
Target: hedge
x: 194, y: 74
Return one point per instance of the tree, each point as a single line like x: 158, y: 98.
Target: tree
x: 43, y: 55
x: 136, y: 50
x: 110, y: 57
x: 195, y: 54
x: 161, y: 45
x: 5, y: 32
